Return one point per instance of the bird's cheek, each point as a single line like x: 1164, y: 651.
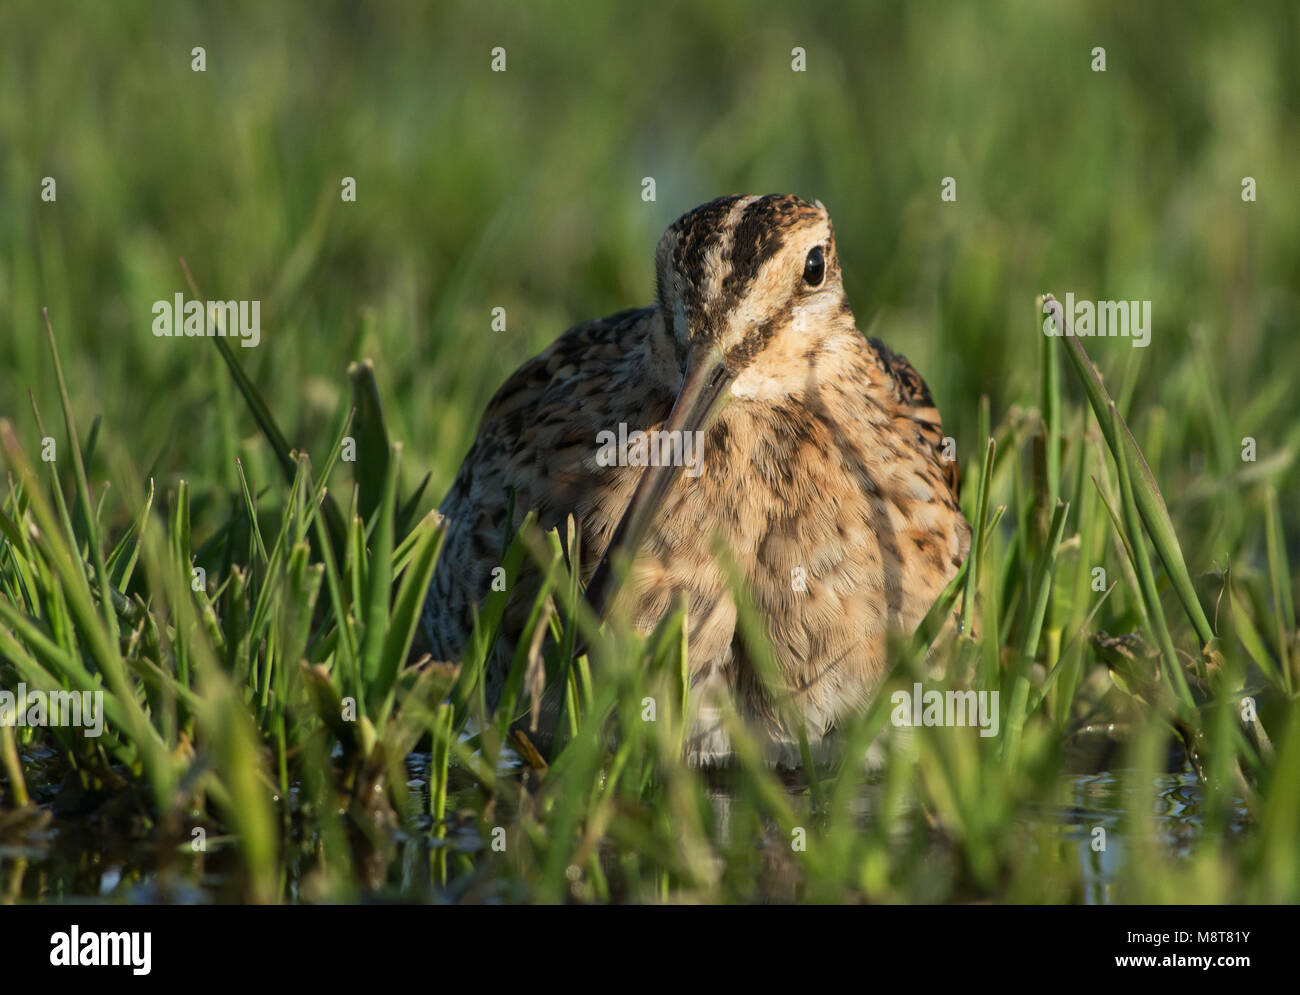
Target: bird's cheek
x: 753, y: 384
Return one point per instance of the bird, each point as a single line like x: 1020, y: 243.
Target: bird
x: 816, y: 453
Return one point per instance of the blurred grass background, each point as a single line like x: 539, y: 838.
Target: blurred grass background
x: 522, y: 190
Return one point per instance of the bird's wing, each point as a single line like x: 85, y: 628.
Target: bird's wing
x: 536, y: 440
x: 913, y: 397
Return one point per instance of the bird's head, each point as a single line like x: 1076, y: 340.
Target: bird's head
x: 749, y: 288
x: 750, y: 294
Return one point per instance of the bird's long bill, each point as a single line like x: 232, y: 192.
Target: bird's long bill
x: 703, y: 395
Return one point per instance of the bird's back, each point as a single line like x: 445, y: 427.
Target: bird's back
x: 537, y: 441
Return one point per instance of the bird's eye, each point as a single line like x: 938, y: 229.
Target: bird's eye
x: 814, y: 267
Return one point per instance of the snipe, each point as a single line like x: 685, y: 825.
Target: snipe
x: 820, y: 463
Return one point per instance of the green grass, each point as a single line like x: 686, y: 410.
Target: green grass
x: 270, y: 706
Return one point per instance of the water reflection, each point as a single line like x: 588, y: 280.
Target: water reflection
x: 68, y: 861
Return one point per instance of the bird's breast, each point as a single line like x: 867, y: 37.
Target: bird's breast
x: 832, y: 528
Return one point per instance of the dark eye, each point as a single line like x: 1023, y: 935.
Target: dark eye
x: 814, y: 267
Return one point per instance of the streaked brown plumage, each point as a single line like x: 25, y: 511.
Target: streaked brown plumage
x: 821, y: 454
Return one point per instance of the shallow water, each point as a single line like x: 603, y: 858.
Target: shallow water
x: 71, y: 860
x: 1103, y: 800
